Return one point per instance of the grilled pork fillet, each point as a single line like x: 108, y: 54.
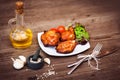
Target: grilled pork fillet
x: 66, y: 46
x: 68, y: 34
x: 50, y: 38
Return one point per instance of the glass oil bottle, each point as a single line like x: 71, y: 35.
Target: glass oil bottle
x: 20, y: 35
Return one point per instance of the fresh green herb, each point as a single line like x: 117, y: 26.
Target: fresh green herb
x: 80, y: 32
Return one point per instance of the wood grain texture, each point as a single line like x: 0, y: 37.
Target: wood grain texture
x: 102, y: 21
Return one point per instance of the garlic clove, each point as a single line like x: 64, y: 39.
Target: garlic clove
x: 47, y: 60
x: 23, y: 58
x: 19, y: 61
x: 18, y: 64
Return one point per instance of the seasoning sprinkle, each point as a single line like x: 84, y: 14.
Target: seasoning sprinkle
x: 50, y: 72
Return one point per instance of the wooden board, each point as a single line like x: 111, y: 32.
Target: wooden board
x: 102, y: 21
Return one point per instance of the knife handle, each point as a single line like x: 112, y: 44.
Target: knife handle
x: 75, y: 67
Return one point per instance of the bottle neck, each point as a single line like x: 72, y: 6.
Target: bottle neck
x: 19, y: 20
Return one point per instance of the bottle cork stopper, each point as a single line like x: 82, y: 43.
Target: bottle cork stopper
x: 19, y: 7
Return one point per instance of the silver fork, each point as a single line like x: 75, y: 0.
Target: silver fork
x: 96, y: 49
x: 95, y: 52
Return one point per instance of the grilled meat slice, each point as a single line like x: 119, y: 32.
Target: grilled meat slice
x: 50, y: 38
x: 68, y: 34
x: 66, y: 46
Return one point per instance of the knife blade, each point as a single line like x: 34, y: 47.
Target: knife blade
x: 107, y: 52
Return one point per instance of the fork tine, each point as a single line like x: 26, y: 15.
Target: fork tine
x: 98, y: 47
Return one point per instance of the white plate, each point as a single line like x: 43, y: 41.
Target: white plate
x: 51, y: 50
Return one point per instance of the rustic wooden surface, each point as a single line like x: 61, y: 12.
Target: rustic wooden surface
x: 102, y: 21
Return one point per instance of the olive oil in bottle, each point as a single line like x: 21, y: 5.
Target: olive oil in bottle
x: 20, y: 35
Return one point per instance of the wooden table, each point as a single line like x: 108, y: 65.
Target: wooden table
x: 101, y: 19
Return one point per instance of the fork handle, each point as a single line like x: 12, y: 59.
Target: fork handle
x: 75, y: 67
x: 75, y: 63
x: 70, y: 65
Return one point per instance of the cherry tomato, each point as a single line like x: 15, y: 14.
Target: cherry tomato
x: 60, y: 29
x: 54, y: 29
